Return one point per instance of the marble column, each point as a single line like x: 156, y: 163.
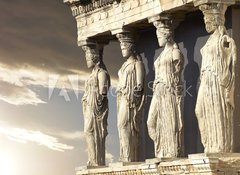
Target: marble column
x: 165, y: 118
x: 95, y: 105
x: 215, y: 101
x: 130, y: 98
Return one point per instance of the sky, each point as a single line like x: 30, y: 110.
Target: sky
x: 42, y: 72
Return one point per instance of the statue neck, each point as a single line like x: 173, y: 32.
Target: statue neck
x: 96, y: 67
x: 168, y: 45
x: 131, y: 58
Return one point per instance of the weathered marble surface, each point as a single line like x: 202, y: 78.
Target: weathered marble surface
x: 165, y: 120
x: 95, y: 107
x: 201, y: 164
x: 215, y: 101
x: 217, y: 77
x: 205, y: 164
x: 129, y: 168
x: 130, y: 99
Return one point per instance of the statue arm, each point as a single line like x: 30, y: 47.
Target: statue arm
x: 233, y: 62
x: 139, y: 88
x: 178, y: 62
x: 229, y: 46
x: 103, y: 82
x: 140, y: 74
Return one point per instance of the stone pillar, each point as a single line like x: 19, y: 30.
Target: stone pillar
x: 130, y: 98
x: 215, y: 102
x: 95, y: 104
x: 236, y: 37
x: 166, y: 107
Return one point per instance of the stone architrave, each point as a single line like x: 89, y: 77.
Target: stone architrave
x: 130, y: 99
x: 95, y: 106
x: 215, y: 101
x: 165, y: 119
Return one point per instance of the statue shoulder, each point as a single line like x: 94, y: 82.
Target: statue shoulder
x: 102, y: 73
x: 177, y: 54
x: 139, y: 65
x: 227, y: 42
x: 103, y: 76
x: 139, y: 62
x: 228, y: 47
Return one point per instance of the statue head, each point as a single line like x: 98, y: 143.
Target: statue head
x: 214, y: 15
x: 92, y: 55
x: 164, y: 31
x: 127, y: 44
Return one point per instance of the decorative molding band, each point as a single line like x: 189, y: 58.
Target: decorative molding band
x: 79, y: 7
x: 207, y: 164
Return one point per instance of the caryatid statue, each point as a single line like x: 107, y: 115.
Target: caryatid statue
x: 215, y: 101
x: 165, y: 120
x: 95, y: 106
x: 130, y: 99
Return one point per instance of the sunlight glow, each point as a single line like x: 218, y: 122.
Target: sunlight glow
x: 7, y: 163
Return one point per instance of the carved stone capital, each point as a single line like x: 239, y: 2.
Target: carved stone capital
x: 122, y: 30
x: 164, y: 25
x: 86, y: 42
x: 213, y: 11
x: 201, y: 2
x: 159, y: 17
x: 125, y: 37
x: 173, y: 19
x: 94, y: 48
x: 214, y: 7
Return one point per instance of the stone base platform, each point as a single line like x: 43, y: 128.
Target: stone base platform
x: 202, y: 164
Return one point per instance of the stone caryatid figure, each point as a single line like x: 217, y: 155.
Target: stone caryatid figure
x: 215, y: 101
x: 130, y: 99
x: 165, y: 121
x: 95, y: 106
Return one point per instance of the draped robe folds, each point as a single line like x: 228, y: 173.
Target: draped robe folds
x: 95, y: 110
x: 130, y: 113
x: 215, y: 104
x: 165, y: 123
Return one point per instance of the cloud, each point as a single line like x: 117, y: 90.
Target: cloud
x: 16, y: 84
x: 73, y: 135
x: 24, y: 136
x: 40, y: 41
x: 36, y: 42
x: 18, y: 95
